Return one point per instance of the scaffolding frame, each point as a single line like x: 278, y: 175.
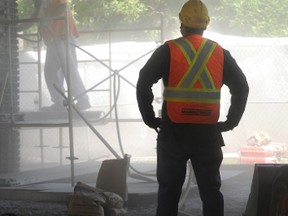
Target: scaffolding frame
x: 15, y: 119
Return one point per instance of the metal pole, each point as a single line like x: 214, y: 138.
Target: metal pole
x: 162, y: 27
x: 90, y: 126
x: 110, y: 71
x: 68, y: 81
x: 61, y: 146
x: 42, y: 147
x: 10, y: 73
x: 39, y: 72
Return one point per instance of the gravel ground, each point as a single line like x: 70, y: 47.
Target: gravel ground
x: 235, y: 190
x: 23, y: 208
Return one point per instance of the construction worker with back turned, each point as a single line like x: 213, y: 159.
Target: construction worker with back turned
x: 193, y: 70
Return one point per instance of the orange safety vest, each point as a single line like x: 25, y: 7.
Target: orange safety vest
x: 57, y: 27
x: 195, y: 80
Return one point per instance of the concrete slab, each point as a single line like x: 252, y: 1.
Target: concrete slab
x: 54, y: 184
x: 51, y: 196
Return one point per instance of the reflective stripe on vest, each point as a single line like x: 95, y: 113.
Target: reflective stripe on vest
x: 193, y: 91
x: 196, y: 71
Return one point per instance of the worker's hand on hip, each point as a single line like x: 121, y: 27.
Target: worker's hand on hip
x: 224, y: 126
x: 155, y: 124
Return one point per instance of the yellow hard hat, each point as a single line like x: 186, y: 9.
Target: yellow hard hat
x: 194, y: 14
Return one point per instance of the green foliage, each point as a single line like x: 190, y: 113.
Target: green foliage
x: 24, y: 8
x: 130, y: 10
x: 99, y: 14
x: 88, y: 13
x: 265, y: 18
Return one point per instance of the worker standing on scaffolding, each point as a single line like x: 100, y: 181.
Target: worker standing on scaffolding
x: 53, y: 32
x: 193, y: 70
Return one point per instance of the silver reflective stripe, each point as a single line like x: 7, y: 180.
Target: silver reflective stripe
x: 197, y: 65
x: 206, y: 80
x: 186, y: 46
x: 170, y: 94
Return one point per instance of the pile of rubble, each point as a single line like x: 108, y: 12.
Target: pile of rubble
x: 261, y: 149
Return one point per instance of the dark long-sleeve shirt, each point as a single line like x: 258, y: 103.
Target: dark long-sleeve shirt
x: 157, y: 67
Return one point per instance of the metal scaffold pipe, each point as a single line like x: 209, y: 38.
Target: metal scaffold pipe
x: 69, y: 98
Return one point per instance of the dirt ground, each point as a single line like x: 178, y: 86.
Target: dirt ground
x: 236, y: 192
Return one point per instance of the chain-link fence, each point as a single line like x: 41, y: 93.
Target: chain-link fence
x: 264, y: 62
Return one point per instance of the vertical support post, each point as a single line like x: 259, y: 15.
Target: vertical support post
x: 39, y: 73
x: 10, y: 72
x: 68, y: 81
x: 61, y: 145
x: 42, y: 147
x: 110, y: 71
x: 162, y: 27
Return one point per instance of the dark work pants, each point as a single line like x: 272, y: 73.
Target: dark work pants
x: 171, y: 172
